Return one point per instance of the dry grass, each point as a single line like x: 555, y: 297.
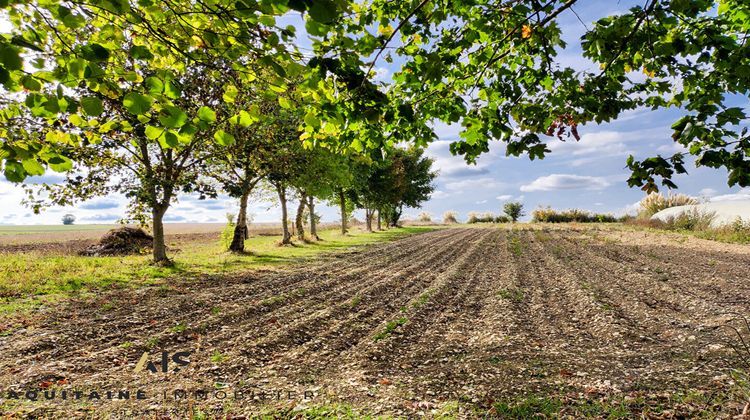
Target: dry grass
x: 656, y: 202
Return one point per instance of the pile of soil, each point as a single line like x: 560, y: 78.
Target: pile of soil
x: 122, y: 241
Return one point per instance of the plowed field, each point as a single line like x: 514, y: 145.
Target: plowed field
x: 462, y: 321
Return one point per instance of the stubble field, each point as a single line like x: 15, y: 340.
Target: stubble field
x: 462, y: 322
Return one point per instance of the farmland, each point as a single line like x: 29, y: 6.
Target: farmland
x: 505, y: 320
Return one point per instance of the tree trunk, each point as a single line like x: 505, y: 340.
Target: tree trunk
x: 286, y: 236
x: 313, y: 225
x: 300, y: 218
x: 160, y: 248
x: 395, y: 216
x: 380, y: 221
x: 342, y: 204
x: 368, y: 219
x: 240, y: 230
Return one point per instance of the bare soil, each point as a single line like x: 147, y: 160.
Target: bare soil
x: 466, y: 315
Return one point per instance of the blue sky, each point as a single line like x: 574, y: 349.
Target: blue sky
x: 589, y: 174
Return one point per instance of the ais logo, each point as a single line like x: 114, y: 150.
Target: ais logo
x: 178, y: 358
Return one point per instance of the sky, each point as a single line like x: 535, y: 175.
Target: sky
x: 589, y: 174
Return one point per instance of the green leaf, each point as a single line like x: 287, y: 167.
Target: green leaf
x: 14, y: 171
x: 207, y: 114
x: 76, y: 120
x: 60, y: 164
x: 95, y: 52
x: 224, y: 138
x: 244, y: 119
x: 323, y: 11
x: 137, y: 104
x: 254, y: 112
x: 172, y: 117
x: 92, y: 106
x: 312, y: 120
x: 172, y: 90
x: 4, y: 75
x: 153, y: 133
x: 10, y: 58
x: 316, y: 29
x: 31, y: 83
x: 169, y: 140
x: 230, y: 93
x: 140, y: 52
x: 33, y: 167
x: 155, y: 85
x: 284, y: 102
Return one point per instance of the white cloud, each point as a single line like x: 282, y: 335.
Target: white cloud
x: 382, y: 74
x: 594, y: 146
x: 556, y: 182
x: 672, y: 148
x: 743, y: 194
x: 439, y: 194
x: 451, y: 166
x: 472, y: 183
x: 481, y: 201
x: 504, y: 197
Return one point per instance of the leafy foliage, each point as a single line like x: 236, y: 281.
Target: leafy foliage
x: 514, y: 210
x: 488, y: 217
x: 68, y: 219
x: 549, y: 215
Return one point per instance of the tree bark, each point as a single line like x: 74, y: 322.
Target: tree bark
x: 300, y: 217
x: 159, y: 246
x: 286, y: 236
x: 313, y: 224
x: 342, y: 204
x: 240, y: 230
x: 380, y: 221
x: 368, y: 219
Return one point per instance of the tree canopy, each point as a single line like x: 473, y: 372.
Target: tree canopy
x: 489, y: 65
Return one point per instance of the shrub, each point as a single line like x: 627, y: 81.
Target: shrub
x: 514, y: 210
x: 424, y: 217
x: 656, y: 202
x: 68, y: 219
x: 450, y: 217
x: 228, y: 233
x: 692, y: 219
x: 487, y: 217
x: 502, y: 219
x: 548, y: 215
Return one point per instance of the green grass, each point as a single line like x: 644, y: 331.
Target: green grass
x: 217, y: 357
x: 689, y: 404
x: 389, y: 328
x: 28, y: 279
x: 514, y: 245
x: 513, y: 295
x: 332, y: 411
x: 179, y: 328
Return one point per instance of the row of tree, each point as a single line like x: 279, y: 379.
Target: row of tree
x: 240, y: 137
